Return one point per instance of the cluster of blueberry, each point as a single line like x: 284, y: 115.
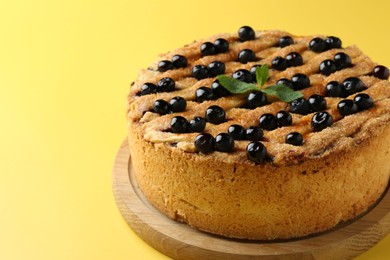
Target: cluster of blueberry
x: 292, y: 59
x: 340, y: 61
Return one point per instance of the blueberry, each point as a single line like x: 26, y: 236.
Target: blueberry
x: 342, y: 60
x: 256, y: 99
x: 179, y: 61
x: 224, y: 143
x: 256, y: 152
x: 178, y: 104
x: 148, y: 88
x: 219, y: 90
x: 200, y: 72
x: 268, y: 122
x: 285, y: 41
x: 197, y: 124
x: 317, y: 103
x: 300, y: 106
x: 165, y: 65
x: 243, y: 75
x: 279, y: 63
x: 237, y: 132
x: 246, y: 33
x: 161, y: 107
x: 179, y: 125
x: 294, y: 59
x: 221, y: 45
x: 347, y: 107
x: 285, y: 82
x: 254, y: 133
x: 321, y: 120
x: 352, y: 85
x: 203, y: 94
x: 334, y: 89
x: 207, y: 49
x: 317, y: 45
x: 215, y: 115
x: 204, y: 143
x: 284, y: 118
x: 333, y: 42
x: 246, y: 55
x: 294, y: 138
x: 216, y: 68
x: 253, y: 70
x: 165, y: 85
x: 327, y: 67
x: 363, y: 101
x: 381, y: 72
x: 300, y: 81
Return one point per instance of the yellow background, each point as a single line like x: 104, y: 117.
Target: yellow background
x: 65, y: 69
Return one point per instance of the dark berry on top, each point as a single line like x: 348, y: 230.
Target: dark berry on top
x: 300, y: 81
x: 254, y: 133
x: 284, y: 118
x: 268, y: 122
x: 256, y: 99
x: 179, y: 125
x: 334, y: 89
x: 279, y: 63
x: 179, y: 61
x: 207, y: 49
x: 285, y: 82
x: 327, y: 67
x: 237, y: 132
x: 165, y: 85
x: 381, y: 72
x: 224, y: 143
x: 246, y: 33
x: 300, y: 106
x: 204, y: 143
x: 363, y: 101
x: 246, y: 55
x: 317, y: 45
x: 285, y: 41
x: 256, y: 152
x: 165, y: 65
x: 200, y: 72
x: 203, y: 94
x: 253, y: 70
x: 216, y: 68
x: 178, y: 104
x: 347, y: 107
x: 215, y: 115
x: 333, y: 42
x: 294, y: 138
x: 294, y: 59
x: 161, y: 107
x: 221, y: 45
x: 352, y: 85
x: 317, y: 103
x: 342, y: 60
x: 197, y: 124
x: 148, y: 88
x: 321, y: 120
x: 219, y: 90
x: 243, y: 75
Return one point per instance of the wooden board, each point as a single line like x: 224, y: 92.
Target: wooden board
x: 179, y: 241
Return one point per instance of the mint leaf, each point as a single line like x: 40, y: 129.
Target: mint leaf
x: 282, y: 92
x: 236, y: 86
x: 262, y: 74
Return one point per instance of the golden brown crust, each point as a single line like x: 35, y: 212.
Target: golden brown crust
x: 335, y: 175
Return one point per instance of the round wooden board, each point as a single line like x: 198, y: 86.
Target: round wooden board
x: 179, y: 241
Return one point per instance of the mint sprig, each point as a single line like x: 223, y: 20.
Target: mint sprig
x: 280, y: 91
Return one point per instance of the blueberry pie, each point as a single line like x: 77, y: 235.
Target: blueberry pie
x: 250, y: 164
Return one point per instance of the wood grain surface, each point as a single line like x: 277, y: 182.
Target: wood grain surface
x: 179, y: 241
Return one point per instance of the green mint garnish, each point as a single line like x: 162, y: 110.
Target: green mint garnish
x: 280, y: 91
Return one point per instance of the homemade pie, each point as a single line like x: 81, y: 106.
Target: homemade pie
x: 250, y: 165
